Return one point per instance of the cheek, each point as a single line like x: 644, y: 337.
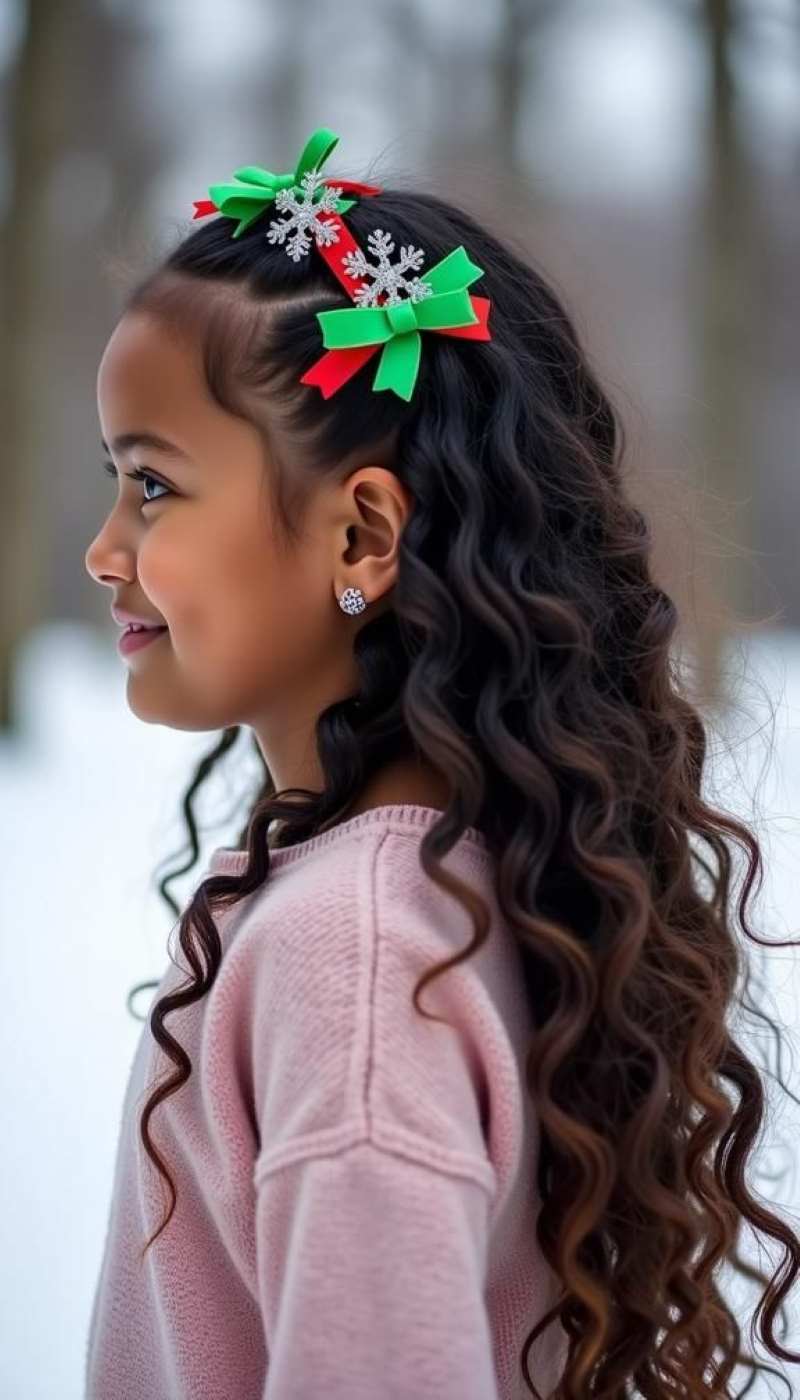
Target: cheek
x: 171, y: 571
x: 247, y: 581
x: 222, y: 586
x: 265, y: 617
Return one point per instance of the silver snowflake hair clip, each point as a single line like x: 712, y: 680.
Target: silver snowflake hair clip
x: 305, y: 216
x: 387, y: 278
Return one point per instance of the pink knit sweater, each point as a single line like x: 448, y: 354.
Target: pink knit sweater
x: 356, y: 1185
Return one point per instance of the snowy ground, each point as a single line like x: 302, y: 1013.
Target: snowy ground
x: 89, y: 809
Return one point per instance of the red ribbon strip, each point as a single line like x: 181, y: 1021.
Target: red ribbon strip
x: 335, y: 253
x: 337, y: 366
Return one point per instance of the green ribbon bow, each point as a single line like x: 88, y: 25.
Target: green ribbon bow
x: 257, y: 188
x: 397, y: 327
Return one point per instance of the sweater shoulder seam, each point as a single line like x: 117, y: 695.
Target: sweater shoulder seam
x: 386, y: 1138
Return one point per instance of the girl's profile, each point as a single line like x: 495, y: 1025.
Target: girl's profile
x: 440, y: 1095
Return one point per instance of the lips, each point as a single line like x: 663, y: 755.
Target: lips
x: 124, y: 618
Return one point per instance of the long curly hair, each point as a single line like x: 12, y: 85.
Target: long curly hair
x: 528, y: 656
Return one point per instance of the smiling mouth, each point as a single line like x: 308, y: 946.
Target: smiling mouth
x: 134, y: 638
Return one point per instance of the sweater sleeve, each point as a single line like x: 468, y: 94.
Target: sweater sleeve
x: 371, y: 1274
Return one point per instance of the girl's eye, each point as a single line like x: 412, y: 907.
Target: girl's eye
x: 138, y: 475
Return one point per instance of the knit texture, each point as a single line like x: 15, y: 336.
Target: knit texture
x: 356, y: 1185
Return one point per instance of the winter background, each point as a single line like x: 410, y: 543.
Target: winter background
x: 645, y: 153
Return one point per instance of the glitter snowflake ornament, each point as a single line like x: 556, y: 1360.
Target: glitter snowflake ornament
x: 386, y: 276
x: 305, y: 216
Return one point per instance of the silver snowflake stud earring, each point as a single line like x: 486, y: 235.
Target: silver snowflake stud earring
x: 352, y: 601
x: 304, y: 216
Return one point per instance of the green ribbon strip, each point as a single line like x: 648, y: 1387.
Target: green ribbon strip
x: 397, y: 327
x: 247, y: 200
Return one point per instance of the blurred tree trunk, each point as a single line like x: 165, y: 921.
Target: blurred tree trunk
x: 69, y: 135
x: 468, y: 144
x: 121, y: 131
x: 723, y: 303
x: 22, y: 575
x: 281, y: 99
x: 515, y: 61
x: 61, y: 65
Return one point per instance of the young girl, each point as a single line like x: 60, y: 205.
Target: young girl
x: 371, y: 508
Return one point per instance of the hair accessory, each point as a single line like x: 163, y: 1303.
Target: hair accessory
x: 386, y: 278
x: 352, y: 601
x: 391, y: 307
x: 258, y: 188
x: 305, y: 216
x: 352, y: 336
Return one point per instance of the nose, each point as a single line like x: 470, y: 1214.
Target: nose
x: 106, y: 560
x: 91, y: 560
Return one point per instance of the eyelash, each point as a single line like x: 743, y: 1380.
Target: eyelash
x: 138, y: 475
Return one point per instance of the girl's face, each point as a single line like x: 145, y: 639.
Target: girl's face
x: 254, y: 631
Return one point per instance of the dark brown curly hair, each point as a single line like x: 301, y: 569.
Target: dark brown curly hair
x: 529, y: 657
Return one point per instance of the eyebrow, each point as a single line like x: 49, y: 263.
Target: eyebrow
x: 124, y: 442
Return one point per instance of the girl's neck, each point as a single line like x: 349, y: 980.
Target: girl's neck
x: 403, y: 780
